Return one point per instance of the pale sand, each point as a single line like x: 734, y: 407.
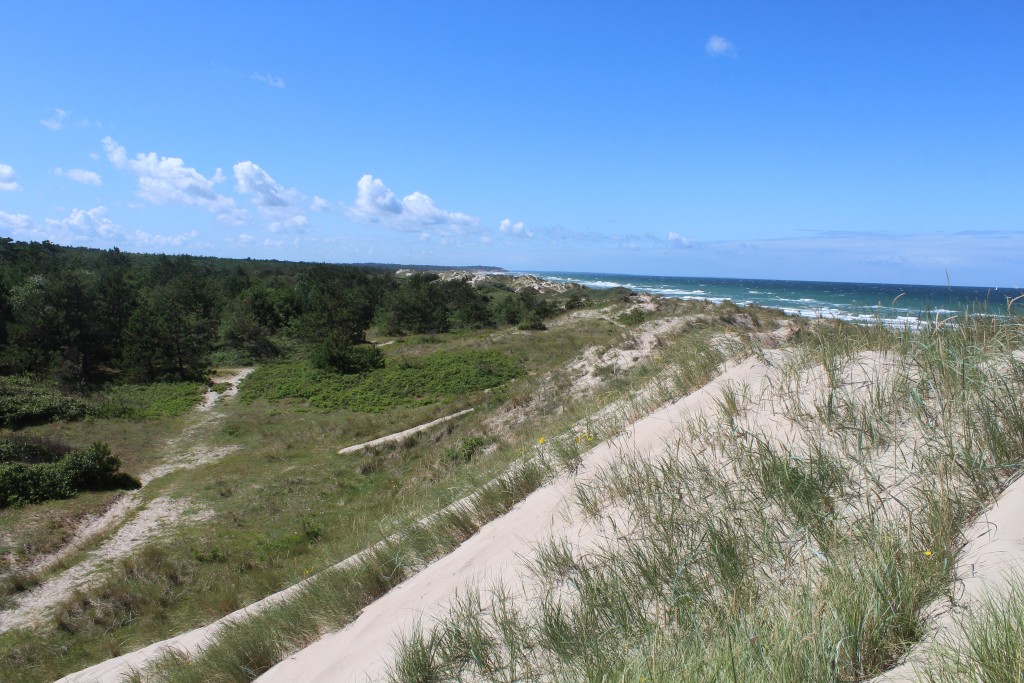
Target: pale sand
x: 398, y: 436
x: 500, y: 551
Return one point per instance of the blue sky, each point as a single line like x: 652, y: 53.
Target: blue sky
x: 861, y: 141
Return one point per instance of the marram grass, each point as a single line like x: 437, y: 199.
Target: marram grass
x: 807, y: 560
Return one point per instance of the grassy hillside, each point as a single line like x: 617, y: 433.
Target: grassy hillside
x: 275, y: 503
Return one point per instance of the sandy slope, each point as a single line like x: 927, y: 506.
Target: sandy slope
x: 499, y: 551
x: 502, y: 549
x: 496, y: 551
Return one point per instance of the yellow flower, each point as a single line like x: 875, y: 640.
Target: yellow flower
x: 541, y: 440
x: 927, y: 553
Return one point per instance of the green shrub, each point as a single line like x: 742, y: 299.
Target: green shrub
x: 347, y: 358
x: 89, y: 469
x: 633, y: 317
x: 142, y: 401
x: 465, y: 451
x: 419, y: 381
x: 532, y: 322
x: 26, y: 400
x: 31, y: 449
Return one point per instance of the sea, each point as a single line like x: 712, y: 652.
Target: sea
x: 862, y: 302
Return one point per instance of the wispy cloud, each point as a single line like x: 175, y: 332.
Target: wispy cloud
x: 55, y: 122
x: 269, y: 79
x: 116, y: 154
x: 717, y: 46
x: 7, y: 179
x: 90, y: 227
x: 680, y: 242
x: 80, y: 175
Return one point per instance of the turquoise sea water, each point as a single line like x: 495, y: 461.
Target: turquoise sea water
x: 858, y: 302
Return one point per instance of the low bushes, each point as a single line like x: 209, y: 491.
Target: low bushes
x: 148, y: 401
x: 410, y: 382
x: 31, y: 450
x: 88, y: 469
x: 26, y: 400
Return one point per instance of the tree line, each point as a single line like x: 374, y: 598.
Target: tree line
x: 87, y: 316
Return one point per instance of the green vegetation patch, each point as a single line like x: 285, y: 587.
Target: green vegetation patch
x: 411, y: 381
x: 27, y: 400
x: 31, y: 450
x: 142, y: 401
x: 89, y: 469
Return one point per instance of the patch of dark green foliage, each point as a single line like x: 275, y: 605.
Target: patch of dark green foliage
x: 466, y: 449
x: 26, y: 400
x: 633, y: 317
x: 417, y: 381
x: 31, y: 450
x: 90, y: 469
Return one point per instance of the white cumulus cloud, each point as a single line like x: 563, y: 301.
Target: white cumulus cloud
x: 717, y: 46
x: 167, y: 180
x: 14, y: 221
x: 7, y: 176
x: 376, y: 203
x: 518, y: 228
x: 80, y: 175
x: 87, y: 220
x: 251, y: 179
x: 274, y: 202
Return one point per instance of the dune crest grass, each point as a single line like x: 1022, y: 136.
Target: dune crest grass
x: 795, y: 534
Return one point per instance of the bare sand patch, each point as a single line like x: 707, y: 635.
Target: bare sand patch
x: 32, y: 607
x: 398, y: 436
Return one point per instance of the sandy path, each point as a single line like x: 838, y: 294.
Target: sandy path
x: 398, y: 436
x: 500, y: 551
x: 159, y: 514
x: 162, y: 513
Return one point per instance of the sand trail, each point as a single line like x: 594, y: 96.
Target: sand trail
x: 146, y: 521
